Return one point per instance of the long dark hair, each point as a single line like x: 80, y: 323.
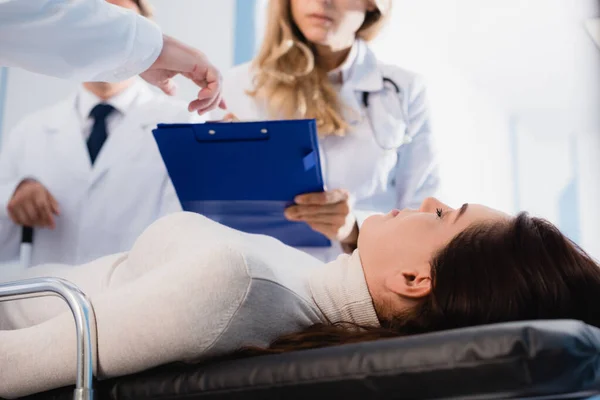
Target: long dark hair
x: 525, y: 269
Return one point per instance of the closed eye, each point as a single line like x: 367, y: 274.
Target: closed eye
x: 439, y: 212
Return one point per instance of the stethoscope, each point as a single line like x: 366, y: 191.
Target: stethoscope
x: 369, y: 116
x: 365, y: 95
x: 406, y: 139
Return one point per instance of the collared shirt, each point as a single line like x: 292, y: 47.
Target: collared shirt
x: 343, y: 73
x: 123, y: 103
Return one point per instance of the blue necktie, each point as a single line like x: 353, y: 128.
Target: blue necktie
x: 98, y: 135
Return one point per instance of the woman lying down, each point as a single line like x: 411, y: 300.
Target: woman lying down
x: 191, y: 289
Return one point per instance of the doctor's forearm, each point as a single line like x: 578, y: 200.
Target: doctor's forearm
x: 110, y: 43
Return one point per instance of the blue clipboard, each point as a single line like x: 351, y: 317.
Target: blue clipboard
x: 244, y: 174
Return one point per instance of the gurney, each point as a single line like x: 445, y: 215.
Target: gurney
x: 557, y: 359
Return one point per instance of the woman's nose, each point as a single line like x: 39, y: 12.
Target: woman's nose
x: 430, y: 205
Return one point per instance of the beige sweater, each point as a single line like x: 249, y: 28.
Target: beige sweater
x: 189, y: 289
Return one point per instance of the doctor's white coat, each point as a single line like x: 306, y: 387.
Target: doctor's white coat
x: 388, y: 158
x: 104, y: 208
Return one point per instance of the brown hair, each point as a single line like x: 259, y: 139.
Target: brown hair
x: 290, y: 81
x: 522, y: 270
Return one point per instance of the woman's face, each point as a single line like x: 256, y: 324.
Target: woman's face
x: 332, y: 23
x: 411, y: 238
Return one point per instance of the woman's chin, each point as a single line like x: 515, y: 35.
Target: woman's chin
x: 317, y: 36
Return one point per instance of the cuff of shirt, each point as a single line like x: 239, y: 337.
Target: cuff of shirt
x: 148, y: 44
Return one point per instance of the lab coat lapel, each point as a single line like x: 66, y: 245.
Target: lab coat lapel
x: 65, y: 141
x: 365, y: 76
x: 124, y: 143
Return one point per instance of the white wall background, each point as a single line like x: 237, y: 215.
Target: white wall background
x: 205, y: 24
x: 515, y: 92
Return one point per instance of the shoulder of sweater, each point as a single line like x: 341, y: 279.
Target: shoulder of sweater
x: 194, y: 244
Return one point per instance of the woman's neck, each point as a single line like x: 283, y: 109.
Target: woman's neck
x: 340, y: 291
x: 330, y: 58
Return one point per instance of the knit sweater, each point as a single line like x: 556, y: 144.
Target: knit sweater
x: 188, y: 290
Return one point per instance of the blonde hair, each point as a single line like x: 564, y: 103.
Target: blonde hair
x: 290, y: 81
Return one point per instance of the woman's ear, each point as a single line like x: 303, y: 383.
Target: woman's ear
x: 410, y: 283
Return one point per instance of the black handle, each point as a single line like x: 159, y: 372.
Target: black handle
x: 27, y: 235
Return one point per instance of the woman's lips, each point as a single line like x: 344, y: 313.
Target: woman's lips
x: 321, y: 18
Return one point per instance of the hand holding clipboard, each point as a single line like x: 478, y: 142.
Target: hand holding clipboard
x: 329, y: 212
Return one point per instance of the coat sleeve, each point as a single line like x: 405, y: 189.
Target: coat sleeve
x: 84, y: 40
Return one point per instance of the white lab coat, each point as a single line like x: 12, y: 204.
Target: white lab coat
x: 85, y: 40
x: 104, y: 208
x: 387, y: 160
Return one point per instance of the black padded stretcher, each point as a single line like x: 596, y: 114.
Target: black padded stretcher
x: 526, y: 360
x: 553, y: 359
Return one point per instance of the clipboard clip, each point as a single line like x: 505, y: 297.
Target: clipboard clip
x: 220, y: 132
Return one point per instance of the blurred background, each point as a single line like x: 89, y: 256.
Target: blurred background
x: 514, y: 87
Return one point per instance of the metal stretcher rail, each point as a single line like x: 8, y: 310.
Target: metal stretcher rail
x: 83, y: 313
